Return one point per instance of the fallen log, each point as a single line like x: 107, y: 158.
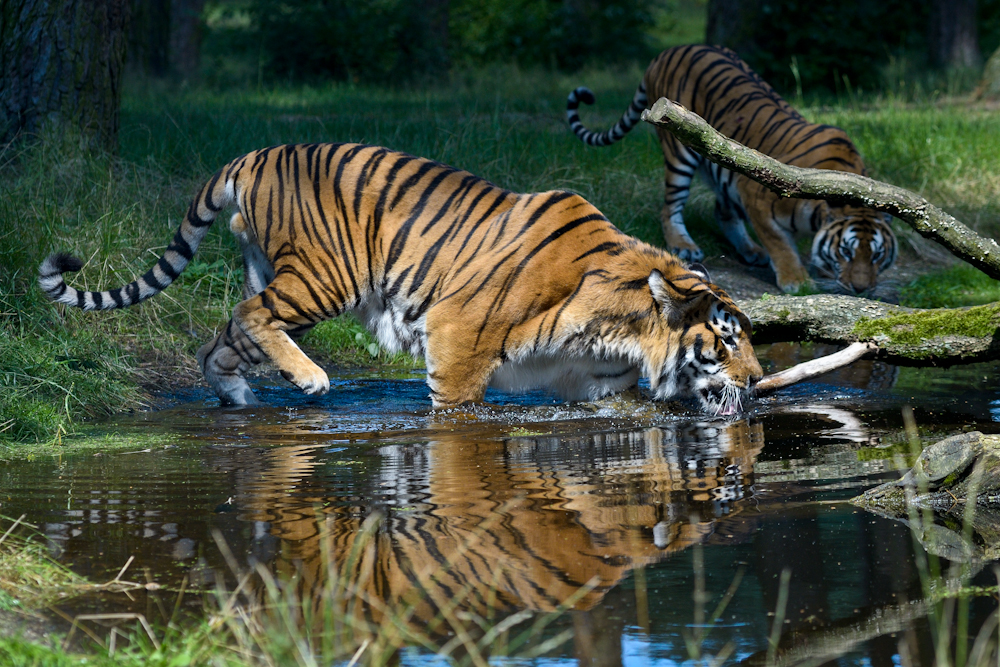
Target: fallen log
x: 903, y: 336
x: 895, y: 334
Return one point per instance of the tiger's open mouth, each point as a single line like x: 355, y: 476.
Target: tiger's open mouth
x: 722, y: 400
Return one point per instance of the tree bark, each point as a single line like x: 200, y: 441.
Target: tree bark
x: 903, y: 336
x: 61, y: 66
x: 837, y: 187
x: 185, y: 36
x: 952, y: 36
x: 732, y: 23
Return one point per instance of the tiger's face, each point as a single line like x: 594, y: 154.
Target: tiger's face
x: 852, y: 248
x: 713, y: 360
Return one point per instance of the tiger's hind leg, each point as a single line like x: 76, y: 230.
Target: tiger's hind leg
x: 681, y: 164
x: 229, y: 355
x: 732, y: 218
x: 224, y: 361
x: 272, y: 320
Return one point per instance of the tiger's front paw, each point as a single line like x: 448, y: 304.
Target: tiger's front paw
x: 755, y: 257
x: 688, y: 254
x: 311, y: 379
x: 801, y: 287
x: 792, y: 280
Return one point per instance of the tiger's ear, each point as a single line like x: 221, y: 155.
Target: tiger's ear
x: 661, y: 293
x: 700, y: 271
x: 672, y: 305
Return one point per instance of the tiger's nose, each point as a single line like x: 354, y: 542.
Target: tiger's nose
x: 860, y: 279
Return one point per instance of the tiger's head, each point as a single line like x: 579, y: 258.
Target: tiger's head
x: 708, y: 355
x: 852, y: 248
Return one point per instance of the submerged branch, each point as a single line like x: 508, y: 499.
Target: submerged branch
x: 834, y: 186
x: 813, y: 368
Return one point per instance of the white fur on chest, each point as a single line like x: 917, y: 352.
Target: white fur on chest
x: 572, y: 378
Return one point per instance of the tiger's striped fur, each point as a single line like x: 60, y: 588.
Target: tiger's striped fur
x: 517, y: 290
x: 851, y: 245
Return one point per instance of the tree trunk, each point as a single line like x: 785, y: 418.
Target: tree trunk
x: 185, y: 36
x: 149, y: 37
x: 61, y: 66
x: 952, y: 38
x: 731, y: 23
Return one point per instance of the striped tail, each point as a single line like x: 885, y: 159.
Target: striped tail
x: 201, y: 214
x: 620, y: 129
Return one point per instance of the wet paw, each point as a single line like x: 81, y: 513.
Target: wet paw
x: 313, y: 381
x: 756, y: 258
x: 694, y: 254
x: 801, y: 287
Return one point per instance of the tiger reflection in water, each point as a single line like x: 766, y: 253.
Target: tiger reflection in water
x: 496, y: 525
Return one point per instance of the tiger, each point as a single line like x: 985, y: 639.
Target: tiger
x: 490, y: 287
x: 851, y: 245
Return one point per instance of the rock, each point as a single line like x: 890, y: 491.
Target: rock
x: 958, y: 479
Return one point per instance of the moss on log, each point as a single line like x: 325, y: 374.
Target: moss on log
x: 905, y: 336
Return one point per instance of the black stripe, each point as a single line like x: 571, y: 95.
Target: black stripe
x: 150, y: 278
x: 168, y: 268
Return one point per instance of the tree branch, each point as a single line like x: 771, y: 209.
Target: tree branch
x: 834, y: 186
x: 904, y: 336
x: 810, y: 369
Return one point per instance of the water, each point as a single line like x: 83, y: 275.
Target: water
x: 519, y: 504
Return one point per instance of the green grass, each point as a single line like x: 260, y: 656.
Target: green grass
x: 59, y: 366
x: 960, y: 285
x: 270, y: 622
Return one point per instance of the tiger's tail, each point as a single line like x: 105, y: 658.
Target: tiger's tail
x: 214, y: 196
x: 619, y: 130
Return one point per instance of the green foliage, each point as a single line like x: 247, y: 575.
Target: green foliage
x: 988, y: 25
x: 347, y: 341
x: 374, y: 40
x: 914, y: 328
x: 961, y: 285
x: 830, y: 44
x: 400, y: 40
x: 550, y: 32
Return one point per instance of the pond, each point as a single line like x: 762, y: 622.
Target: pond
x: 644, y: 517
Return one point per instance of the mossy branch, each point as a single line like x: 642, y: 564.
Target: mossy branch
x: 905, y: 336
x: 834, y: 186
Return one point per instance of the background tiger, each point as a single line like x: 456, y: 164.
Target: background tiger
x: 851, y: 245
x: 521, y: 290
